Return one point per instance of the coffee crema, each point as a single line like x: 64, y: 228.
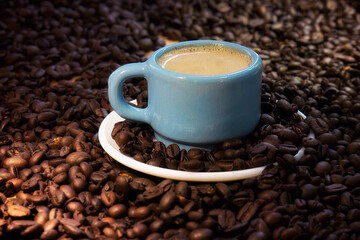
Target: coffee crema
x: 204, y: 60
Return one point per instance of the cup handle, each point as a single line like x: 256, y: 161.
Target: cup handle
x: 115, y: 91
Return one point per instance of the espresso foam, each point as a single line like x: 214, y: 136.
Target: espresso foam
x: 204, y: 60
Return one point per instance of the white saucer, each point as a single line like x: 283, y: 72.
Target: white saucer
x: 110, y: 146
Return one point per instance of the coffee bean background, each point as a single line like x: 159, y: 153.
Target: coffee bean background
x: 56, y: 182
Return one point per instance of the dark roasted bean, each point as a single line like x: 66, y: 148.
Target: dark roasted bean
x: 308, y: 191
x: 201, y: 234
x: 167, y: 201
x: 117, y: 210
x: 173, y: 151
x: 76, y: 158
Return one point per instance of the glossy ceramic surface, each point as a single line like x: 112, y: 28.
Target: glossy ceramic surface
x: 193, y: 110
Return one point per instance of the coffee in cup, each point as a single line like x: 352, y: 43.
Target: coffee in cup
x: 211, y: 59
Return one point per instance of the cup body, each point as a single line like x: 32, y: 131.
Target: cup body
x: 199, y: 109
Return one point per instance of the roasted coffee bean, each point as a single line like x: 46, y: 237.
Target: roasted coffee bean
x: 74, y: 206
x: 258, y: 235
x: 308, y: 191
x: 79, y: 184
x: 68, y: 191
x: 273, y: 219
x: 154, y: 236
x: 284, y: 106
x: 122, y: 138
x: 223, y: 190
x: 76, y: 158
x: 195, y: 153
x: 329, y: 139
x: 73, y: 231
x: 108, y: 198
x: 141, y: 212
x: 318, y: 125
x: 18, y: 211
x: 231, y: 143
x: 288, y: 148
x: 335, y: 188
x: 201, y: 233
x: 69, y: 221
x: 140, y: 230
x: 322, y: 168
x: 195, y: 215
x: 117, y: 210
x: 156, y: 225
x: 167, y: 201
x: 353, y: 181
x: 17, y: 161
x: 355, y: 160
x: 32, y: 231
x: 192, y: 165
x: 246, y: 212
x: 173, y: 151
x: 42, y: 217
x: 157, y: 162
x: 49, y: 234
x: 226, y: 219
x: 287, y: 161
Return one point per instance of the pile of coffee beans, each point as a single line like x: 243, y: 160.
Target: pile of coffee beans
x: 56, y: 181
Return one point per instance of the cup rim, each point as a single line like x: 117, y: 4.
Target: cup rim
x: 256, y: 62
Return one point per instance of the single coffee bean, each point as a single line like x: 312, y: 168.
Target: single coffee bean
x: 355, y: 160
x: 335, y: 188
x: 68, y: 191
x: 195, y: 215
x: 156, y: 225
x: 308, y: 191
x: 226, y: 219
x: 167, y: 201
x: 76, y: 158
x: 140, y: 230
x: 73, y: 231
x: 31, y: 231
x: 246, y: 212
x: 173, y: 151
x: 329, y: 139
x: 117, y: 210
x: 51, y: 224
x: 75, y: 206
x: 353, y: 181
x: 192, y: 165
x: 288, y: 148
x: 223, y: 190
x: 18, y: 211
x: 287, y: 161
x: 108, y: 198
x: 17, y: 161
x: 284, y: 106
x: 201, y: 234
x: 69, y: 221
x: 322, y: 168
x: 154, y: 236
x: 141, y: 212
x: 49, y: 234
x: 273, y: 219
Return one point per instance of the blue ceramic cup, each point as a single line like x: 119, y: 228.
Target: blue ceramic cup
x: 192, y: 110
